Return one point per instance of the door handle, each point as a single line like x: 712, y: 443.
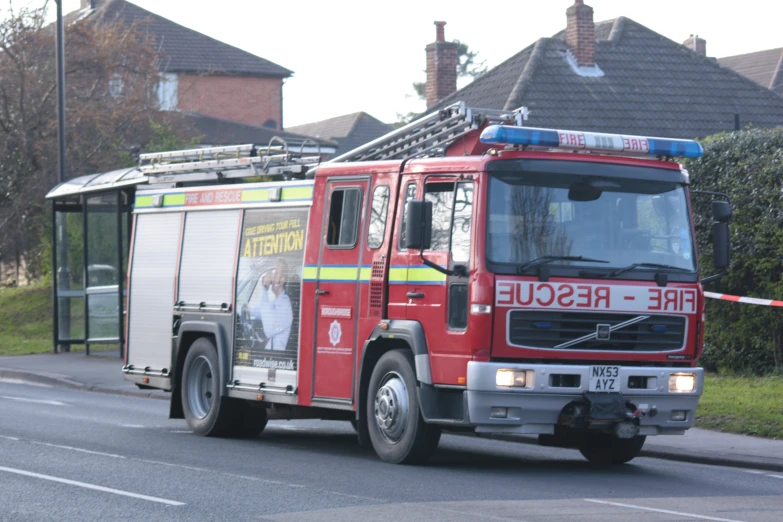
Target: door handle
x: 321, y: 292
x: 415, y: 295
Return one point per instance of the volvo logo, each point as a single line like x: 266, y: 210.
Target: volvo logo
x: 603, y: 332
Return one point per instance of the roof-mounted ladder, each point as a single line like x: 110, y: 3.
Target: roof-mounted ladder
x: 236, y: 161
x: 432, y: 134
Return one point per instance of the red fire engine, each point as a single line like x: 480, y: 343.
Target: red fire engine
x: 464, y: 272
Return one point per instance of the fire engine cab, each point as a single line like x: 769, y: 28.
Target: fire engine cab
x: 464, y: 272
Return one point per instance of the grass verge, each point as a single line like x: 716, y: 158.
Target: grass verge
x: 26, y: 319
x: 744, y: 405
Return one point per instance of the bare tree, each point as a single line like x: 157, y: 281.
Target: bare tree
x: 111, y: 104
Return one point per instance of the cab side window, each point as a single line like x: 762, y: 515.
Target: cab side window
x: 344, y: 217
x: 442, y: 197
x: 410, y: 193
x: 460, y: 229
x: 452, y: 213
x: 378, y: 215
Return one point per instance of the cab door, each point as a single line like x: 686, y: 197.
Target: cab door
x: 400, y: 258
x: 337, y: 289
x: 439, y: 301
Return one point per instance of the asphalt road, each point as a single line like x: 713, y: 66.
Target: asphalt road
x: 72, y: 455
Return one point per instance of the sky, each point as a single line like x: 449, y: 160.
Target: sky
x: 350, y: 56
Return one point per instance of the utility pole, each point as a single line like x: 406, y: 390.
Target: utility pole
x: 64, y: 307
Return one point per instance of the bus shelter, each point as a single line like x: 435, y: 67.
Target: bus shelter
x: 91, y: 227
x: 91, y: 224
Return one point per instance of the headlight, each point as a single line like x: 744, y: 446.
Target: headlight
x: 682, y: 382
x: 511, y: 378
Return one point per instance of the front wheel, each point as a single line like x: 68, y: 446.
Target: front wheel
x: 396, y: 428
x: 604, y: 448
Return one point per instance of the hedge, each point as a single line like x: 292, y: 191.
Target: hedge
x: 748, y: 166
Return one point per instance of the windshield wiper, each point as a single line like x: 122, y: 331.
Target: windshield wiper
x: 634, y: 266
x: 548, y: 259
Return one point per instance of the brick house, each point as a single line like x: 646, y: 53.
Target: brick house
x: 619, y: 76
x: 763, y: 67
x: 200, y: 74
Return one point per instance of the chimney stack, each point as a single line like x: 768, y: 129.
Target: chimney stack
x: 580, y: 33
x: 441, y: 67
x: 699, y: 45
x: 91, y: 4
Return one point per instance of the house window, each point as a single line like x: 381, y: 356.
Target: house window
x: 115, y: 86
x: 168, y: 87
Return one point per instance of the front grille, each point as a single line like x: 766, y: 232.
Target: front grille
x: 543, y: 329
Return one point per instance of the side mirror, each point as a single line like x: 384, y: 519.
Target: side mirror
x: 720, y: 244
x: 721, y: 211
x: 418, y: 225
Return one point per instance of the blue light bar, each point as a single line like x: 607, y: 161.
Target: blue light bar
x: 591, y: 141
x: 506, y: 134
x: 675, y: 148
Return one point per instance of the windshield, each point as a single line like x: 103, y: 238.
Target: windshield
x: 620, y: 221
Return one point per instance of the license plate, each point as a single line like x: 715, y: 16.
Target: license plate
x: 604, y: 379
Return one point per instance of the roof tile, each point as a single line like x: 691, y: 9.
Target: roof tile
x: 186, y: 50
x: 651, y: 86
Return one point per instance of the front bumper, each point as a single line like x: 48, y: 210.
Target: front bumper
x: 536, y: 410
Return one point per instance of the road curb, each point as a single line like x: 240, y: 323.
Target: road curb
x: 713, y: 459
x: 62, y: 382
x: 657, y: 452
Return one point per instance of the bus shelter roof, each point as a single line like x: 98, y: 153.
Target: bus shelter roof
x: 97, y: 183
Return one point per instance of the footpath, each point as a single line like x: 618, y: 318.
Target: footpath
x: 101, y: 372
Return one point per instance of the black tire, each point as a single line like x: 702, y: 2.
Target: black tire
x: 416, y: 440
x: 362, y: 431
x: 604, y: 448
x: 207, y: 412
x: 249, y: 421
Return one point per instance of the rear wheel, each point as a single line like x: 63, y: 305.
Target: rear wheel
x: 249, y: 421
x: 396, y: 428
x: 208, y: 412
x: 604, y: 448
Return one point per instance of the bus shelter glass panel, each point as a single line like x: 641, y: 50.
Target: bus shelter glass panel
x: 69, y: 252
x: 104, y: 251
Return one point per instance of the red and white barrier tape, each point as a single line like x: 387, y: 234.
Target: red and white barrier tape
x: 742, y: 299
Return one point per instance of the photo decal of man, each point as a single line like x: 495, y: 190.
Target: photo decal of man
x: 269, y: 281
x: 274, y: 307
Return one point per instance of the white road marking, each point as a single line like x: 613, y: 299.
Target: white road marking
x: 668, y: 512
x: 92, y: 486
x: 71, y: 448
x: 131, y: 425
x: 36, y: 401
x: 11, y: 380
x: 182, y: 466
x: 257, y: 479
x: 776, y: 476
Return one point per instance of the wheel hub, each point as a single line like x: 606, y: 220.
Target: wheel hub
x: 200, y: 387
x: 391, y: 407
